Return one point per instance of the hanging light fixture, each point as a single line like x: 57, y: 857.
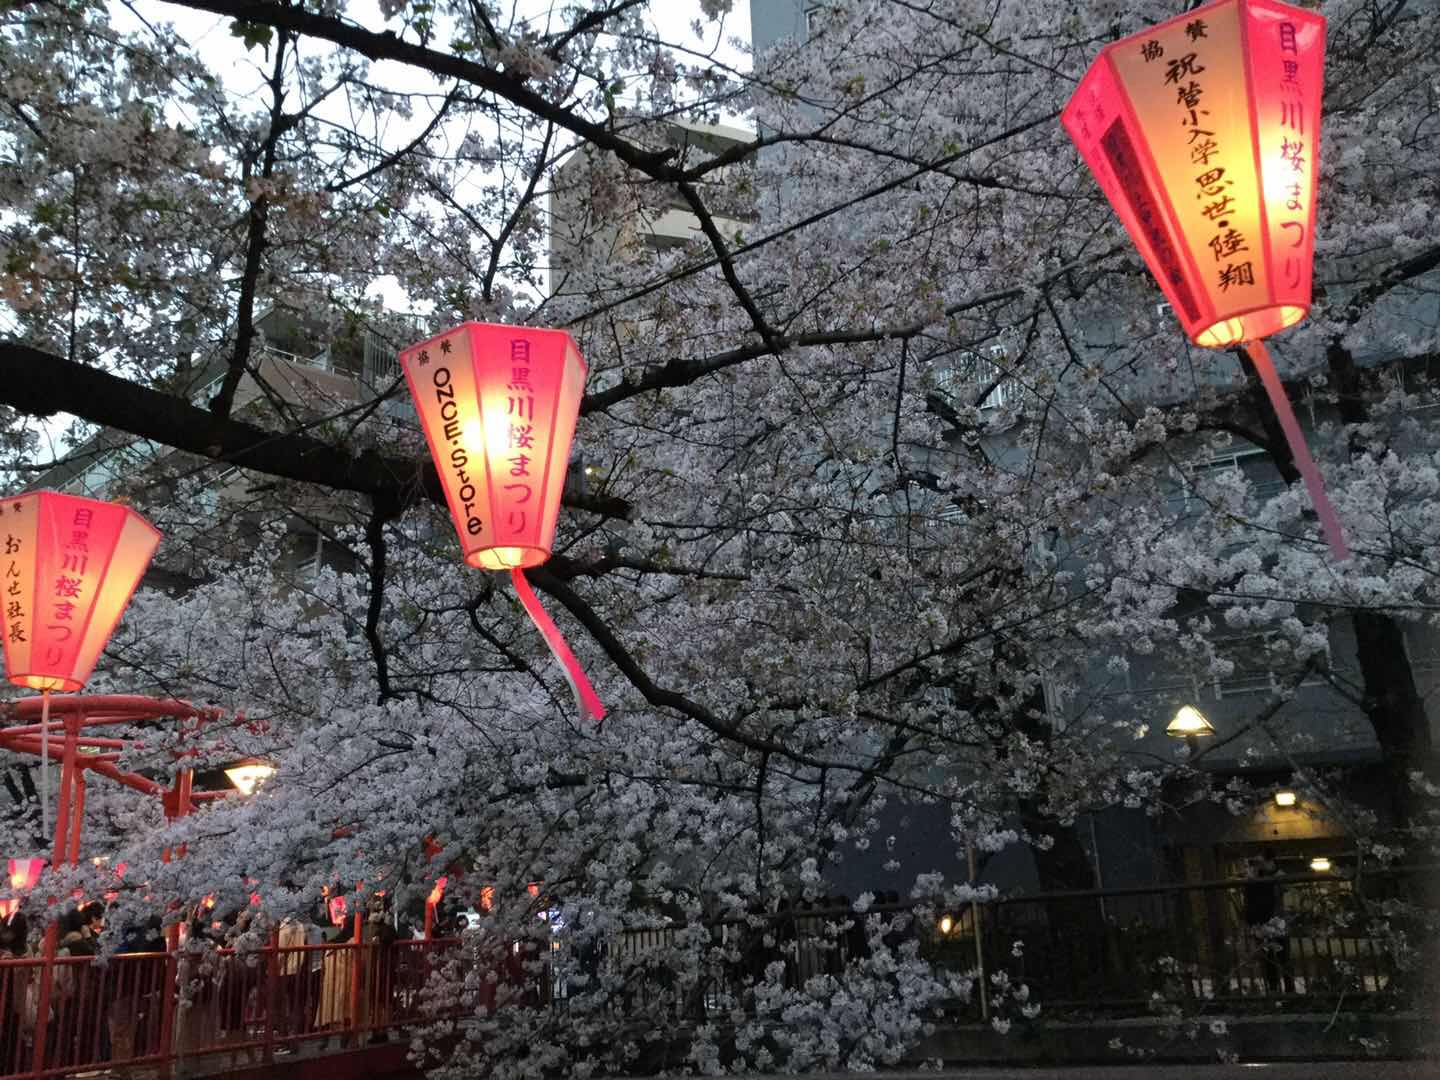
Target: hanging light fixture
x: 1285, y: 798
x: 1188, y: 722
x: 499, y: 405
x: 249, y: 775
x: 1203, y: 132
x: 70, y: 567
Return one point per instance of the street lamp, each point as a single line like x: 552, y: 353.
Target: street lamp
x: 1189, y: 723
x: 249, y: 775
x: 1285, y: 798
x: 1320, y: 864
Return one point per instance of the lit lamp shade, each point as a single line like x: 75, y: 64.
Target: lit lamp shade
x: 24, y: 873
x: 1188, y: 722
x: 70, y: 566
x: 337, y: 910
x: 1203, y: 132
x: 498, y: 405
x: 249, y: 775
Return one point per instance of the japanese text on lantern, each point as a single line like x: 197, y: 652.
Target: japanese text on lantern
x: 520, y: 436
x: 72, y: 588
x: 1292, y: 152
x: 14, y: 590
x: 1228, y: 246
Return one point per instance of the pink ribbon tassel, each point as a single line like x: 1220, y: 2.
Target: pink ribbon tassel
x: 586, y: 700
x: 1314, y: 482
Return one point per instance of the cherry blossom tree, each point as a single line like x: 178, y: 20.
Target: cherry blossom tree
x: 813, y: 568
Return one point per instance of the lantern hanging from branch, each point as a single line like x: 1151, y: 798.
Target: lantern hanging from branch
x: 70, y: 567
x: 1204, y: 134
x: 498, y: 405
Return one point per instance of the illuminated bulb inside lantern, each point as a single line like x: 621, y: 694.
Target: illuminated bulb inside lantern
x: 1320, y: 865
x: 509, y: 558
x: 472, y: 435
x: 41, y: 682
x: 1251, y: 326
x: 946, y: 924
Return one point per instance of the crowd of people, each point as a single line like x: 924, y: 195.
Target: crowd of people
x: 106, y: 999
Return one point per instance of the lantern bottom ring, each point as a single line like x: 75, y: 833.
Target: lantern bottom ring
x: 1251, y: 325
x: 507, y: 558
x: 46, y: 682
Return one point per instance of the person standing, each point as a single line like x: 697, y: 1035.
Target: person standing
x: 81, y: 1037
x: 14, y: 990
x: 1264, y: 915
x: 137, y: 976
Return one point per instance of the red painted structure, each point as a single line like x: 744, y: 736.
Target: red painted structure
x: 238, y: 1008
x: 71, y: 718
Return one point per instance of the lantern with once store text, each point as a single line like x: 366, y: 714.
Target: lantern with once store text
x: 498, y: 405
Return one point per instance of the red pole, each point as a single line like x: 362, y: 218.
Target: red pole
x: 181, y: 807
x: 77, y: 816
x: 357, y: 954
x: 61, y: 853
x: 429, y: 919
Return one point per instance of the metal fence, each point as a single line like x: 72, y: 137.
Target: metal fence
x: 240, y: 1007
x: 1123, y: 951
x: 1236, y: 942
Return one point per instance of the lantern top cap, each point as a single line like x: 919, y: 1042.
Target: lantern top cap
x: 509, y: 328
x: 112, y: 504
x: 1187, y: 17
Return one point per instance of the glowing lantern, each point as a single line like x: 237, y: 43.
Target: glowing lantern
x: 71, y: 565
x: 25, y: 873
x: 1204, y: 132
x: 337, y: 910
x: 499, y: 405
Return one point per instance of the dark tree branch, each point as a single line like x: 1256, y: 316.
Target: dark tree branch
x: 388, y: 46
x: 43, y: 384
x: 255, y: 239
x: 383, y: 509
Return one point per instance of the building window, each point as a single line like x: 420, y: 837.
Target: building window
x: 981, y: 379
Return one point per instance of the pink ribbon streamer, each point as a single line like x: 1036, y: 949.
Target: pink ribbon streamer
x: 586, y: 700
x: 1314, y: 482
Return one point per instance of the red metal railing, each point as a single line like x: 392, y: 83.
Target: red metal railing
x: 158, y: 1008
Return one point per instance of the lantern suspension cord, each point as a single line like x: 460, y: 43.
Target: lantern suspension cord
x: 45, y: 763
x: 1314, y: 482
x: 586, y: 700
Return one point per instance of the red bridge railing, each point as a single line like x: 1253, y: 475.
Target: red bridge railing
x: 156, y: 1009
